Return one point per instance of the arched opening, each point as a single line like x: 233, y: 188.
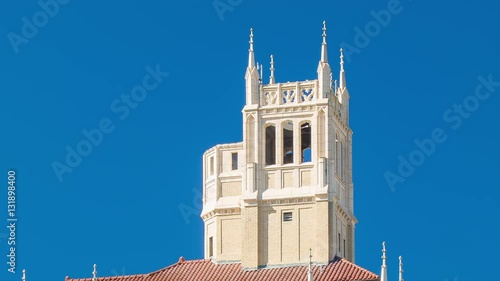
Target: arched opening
x: 270, y: 145
x: 287, y: 142
x: 305, y: 142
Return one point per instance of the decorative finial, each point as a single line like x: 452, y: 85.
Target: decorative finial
x: 251, y: 39
x: 383, y: 253
x: 251, y: 55
x: 94, y: 273
x: 24, y: 275
x: 401, y: 268
x: 271, y: 78
x: 259, y: 69
x: 309, y: 270
x: 324, y: 32
x: 383, y: 271
x: 261, y: 73
x: 341, y: 59
x: 324, y: 51
x: 343, y: 83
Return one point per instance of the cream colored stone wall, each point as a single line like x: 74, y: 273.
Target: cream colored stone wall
x: 305, y: 177
x: 250, y: 237
x: 286, y: 242
x: 232, y: 188
x: 230, y: 229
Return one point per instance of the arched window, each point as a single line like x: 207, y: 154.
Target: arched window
x: 287, y: 142
x: 305, y: 142
x: 270, y: 145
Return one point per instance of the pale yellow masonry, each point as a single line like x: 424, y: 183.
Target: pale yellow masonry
x: 287, y: 187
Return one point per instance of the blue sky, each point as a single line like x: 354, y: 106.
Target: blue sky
x: 427, y: 75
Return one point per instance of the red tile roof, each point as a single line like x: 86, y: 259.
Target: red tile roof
x: 205, y: 270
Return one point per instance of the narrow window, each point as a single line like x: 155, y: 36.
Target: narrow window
x: 342, y: 160
x: 288, y: 143
x: 211, y: 247
x: 326, y: 173
x: 305, y: 138
x: 211, y: 165
x: 270, y: 145
x: 337, y: 158
x: 346, y: 160
x: 338, y: 242
x: 344, y: 248
x: 287, y: 216
x: 234, y: 159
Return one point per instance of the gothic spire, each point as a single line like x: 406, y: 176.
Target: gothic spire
x: 324, y: 53
x: 271, y: 78
x: 342, y: 72
x: 324, y: 70
x: 252, y: 77
x: 251, y: 56
x: 383, y: 271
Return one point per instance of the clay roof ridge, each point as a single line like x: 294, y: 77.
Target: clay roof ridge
x: 179, y: 262
x: 106, y: 277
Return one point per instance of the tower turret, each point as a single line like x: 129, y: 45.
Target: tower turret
x: 287, y: 187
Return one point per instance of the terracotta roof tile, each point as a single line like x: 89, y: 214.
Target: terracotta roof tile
x: 205, y: 270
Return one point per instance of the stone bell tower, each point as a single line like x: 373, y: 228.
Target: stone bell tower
x: 287, y: 188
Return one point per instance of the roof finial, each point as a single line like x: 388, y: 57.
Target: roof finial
x: 342, y: 72
x: 341, y: 59
x: 324, y: 32
x: 309, y: 270
x: 24, y: 275
x: 251, y: 39
x: 261, y: 73
x: 251, y: 56
x: 94, y: 273
x: 383, y: 271
x: 324, y: 55
x: 401, y: 268
x: 271, y: 78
